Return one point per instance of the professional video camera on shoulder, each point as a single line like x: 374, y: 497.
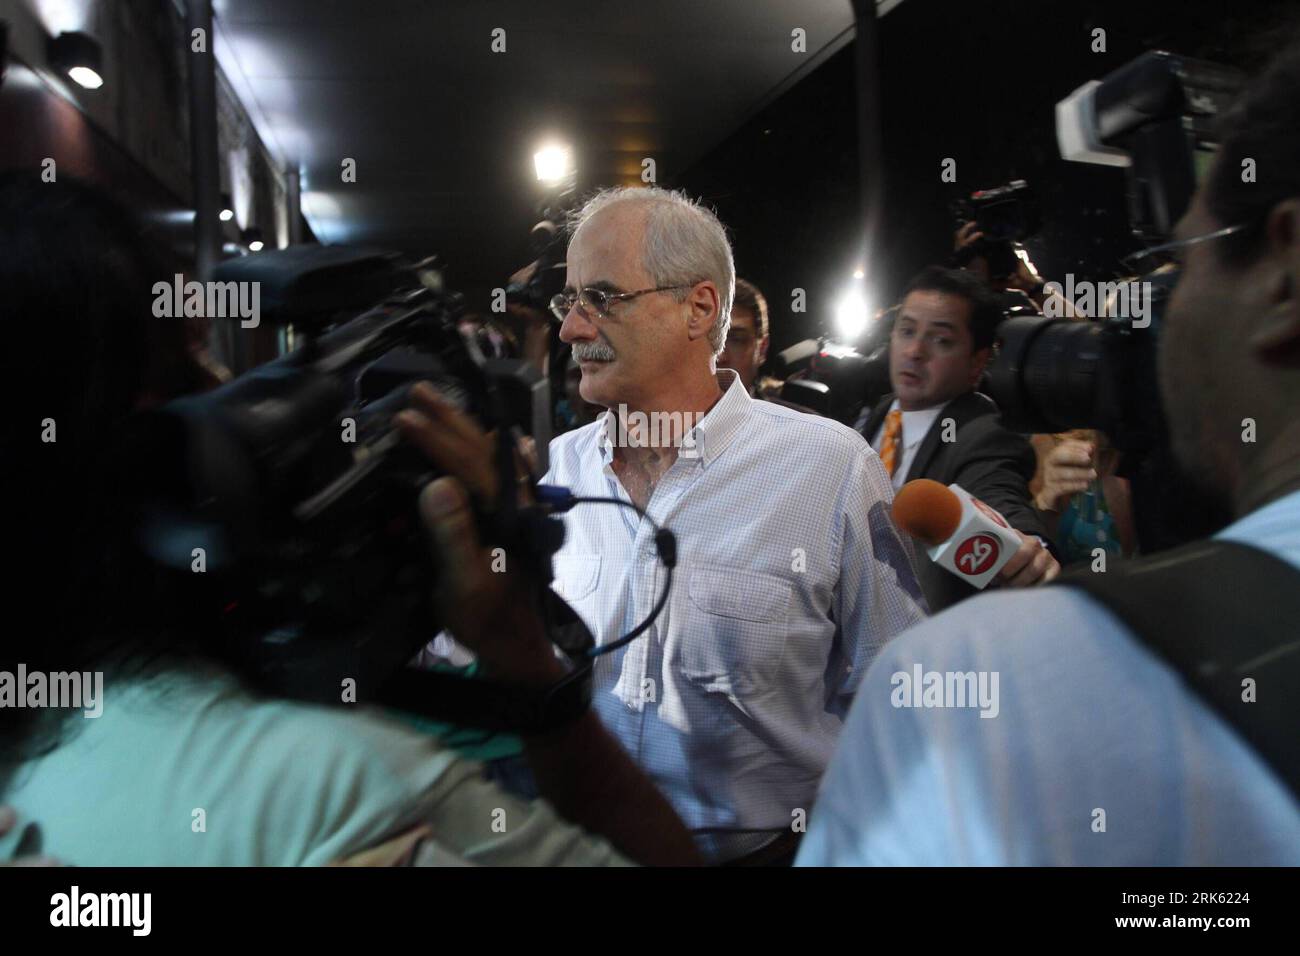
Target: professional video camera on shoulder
x: 1155, y: 118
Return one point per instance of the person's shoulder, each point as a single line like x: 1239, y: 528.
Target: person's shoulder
x: 277, y: 782
x: 809, y: 427
x: 1023, y: 625
x: 982, y: 430
x: 1086, y: 711
x: 320, y: 781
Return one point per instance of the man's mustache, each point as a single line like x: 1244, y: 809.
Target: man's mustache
x: 593, y: 352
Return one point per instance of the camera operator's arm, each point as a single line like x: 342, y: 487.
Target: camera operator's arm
x: 1025, y: 278
x: 580, y: 769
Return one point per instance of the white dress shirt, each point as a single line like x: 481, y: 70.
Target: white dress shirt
x: 916, y: 425
x: 790, y: 578
x: 1088, y: 719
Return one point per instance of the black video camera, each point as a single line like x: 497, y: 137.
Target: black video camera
x: 1006, y: 216
x: 1153, y: 116
x: 1007, y: 213
x: 280, y: 510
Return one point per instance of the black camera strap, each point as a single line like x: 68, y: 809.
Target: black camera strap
x: 1222, y: 614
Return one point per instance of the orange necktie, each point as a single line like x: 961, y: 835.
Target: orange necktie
x: 889, y: 440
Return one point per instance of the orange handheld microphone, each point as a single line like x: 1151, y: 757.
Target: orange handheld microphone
x: 961, y: 534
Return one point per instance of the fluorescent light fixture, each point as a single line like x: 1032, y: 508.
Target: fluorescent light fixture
x: 552, y: 164
x: 79, y: 56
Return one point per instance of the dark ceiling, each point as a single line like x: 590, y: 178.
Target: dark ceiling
x: 443, y: 129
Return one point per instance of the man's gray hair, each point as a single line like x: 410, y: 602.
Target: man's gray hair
x: 685, y: 243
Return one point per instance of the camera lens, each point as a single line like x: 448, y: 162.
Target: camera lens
x: 1046, y: 377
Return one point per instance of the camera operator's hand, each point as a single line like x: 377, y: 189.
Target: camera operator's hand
x: 1025, y: 279
x: 967, y: 234
x: 491, y: 612
x: 1032, y: 564
x: 1067, y: 470
x: 451, y: 440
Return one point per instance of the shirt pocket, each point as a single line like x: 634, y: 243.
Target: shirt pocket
x: 576, y: 576
x: 732, y: 629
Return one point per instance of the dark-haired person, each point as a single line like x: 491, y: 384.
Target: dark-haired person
x: 934, y: 424
x: 1107, y: 751
x: 185, y: 763
x: 745, y: 350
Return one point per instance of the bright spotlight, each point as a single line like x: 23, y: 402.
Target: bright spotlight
x: 552, y: 164
x: 255, y: 245
x: 227, y: 215
x: 78, y: 55
x: 85, y: 76
x: 851, y: 314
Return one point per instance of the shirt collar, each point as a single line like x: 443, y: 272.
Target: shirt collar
x: 716, y: 430
x: 713, y: 433
x: 916, y: 424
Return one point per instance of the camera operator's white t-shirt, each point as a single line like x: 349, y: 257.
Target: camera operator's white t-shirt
x: 192, y: 770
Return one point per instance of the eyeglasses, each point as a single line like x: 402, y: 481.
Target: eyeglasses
x: 595, y: 302
x: 1145, y: 261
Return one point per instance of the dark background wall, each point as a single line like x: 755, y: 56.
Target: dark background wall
x: 975, y: 81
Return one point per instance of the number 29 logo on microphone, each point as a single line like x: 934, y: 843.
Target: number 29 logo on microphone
x: 976, y: 554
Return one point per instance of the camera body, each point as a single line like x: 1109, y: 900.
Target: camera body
x: 280, y: 510
x: 1008, y: 213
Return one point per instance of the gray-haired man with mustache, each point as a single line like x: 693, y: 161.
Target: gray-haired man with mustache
x: 790, y: 575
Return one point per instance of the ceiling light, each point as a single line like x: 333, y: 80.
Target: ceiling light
x: 78, y: 55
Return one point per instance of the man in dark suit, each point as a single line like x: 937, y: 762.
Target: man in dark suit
x: 935, y: 425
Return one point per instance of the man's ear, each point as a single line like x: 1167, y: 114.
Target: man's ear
x: 704, y: 303
x: 763, y: 343
x: 1276, y: 340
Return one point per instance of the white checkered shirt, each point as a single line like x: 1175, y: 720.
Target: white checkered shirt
x: 790, y: 578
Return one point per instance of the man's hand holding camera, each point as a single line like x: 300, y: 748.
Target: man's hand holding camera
x: 493, y: 614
